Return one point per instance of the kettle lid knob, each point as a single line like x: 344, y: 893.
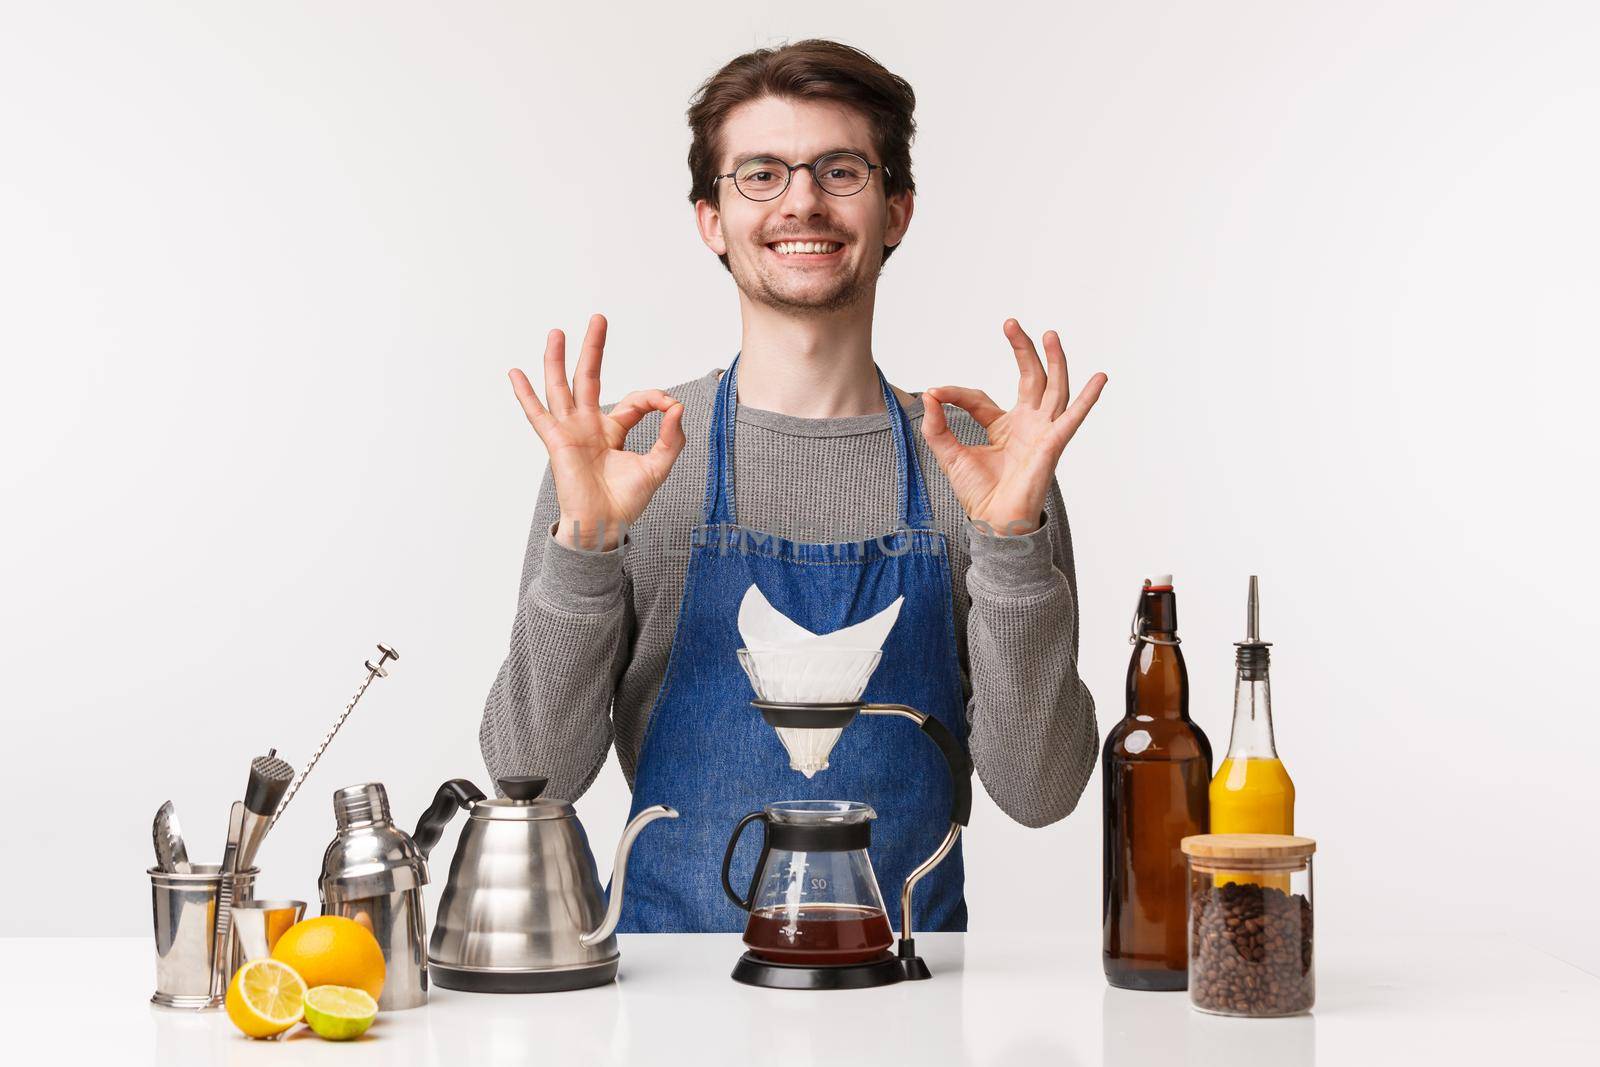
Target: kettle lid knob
x: 522, y: 787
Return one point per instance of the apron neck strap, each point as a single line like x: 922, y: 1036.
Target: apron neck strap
x: 912, y: 503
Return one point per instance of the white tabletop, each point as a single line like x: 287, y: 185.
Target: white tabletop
x: 994, y: 999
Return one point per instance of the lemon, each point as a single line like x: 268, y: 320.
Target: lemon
x: 333, y: 950
x: 340, y: 1013
x: 265, y: 998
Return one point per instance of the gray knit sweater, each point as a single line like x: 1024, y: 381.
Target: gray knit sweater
x: 593, y: 629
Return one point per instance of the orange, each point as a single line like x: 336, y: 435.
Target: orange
x: 333, y: 950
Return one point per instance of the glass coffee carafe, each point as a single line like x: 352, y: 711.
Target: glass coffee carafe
x: 813, y: 899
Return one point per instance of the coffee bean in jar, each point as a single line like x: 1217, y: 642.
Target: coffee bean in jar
x: 1250, y: 924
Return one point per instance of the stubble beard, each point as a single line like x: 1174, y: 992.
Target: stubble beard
x: 843, y: 290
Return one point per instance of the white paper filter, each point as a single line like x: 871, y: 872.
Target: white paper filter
x: 787, y: 662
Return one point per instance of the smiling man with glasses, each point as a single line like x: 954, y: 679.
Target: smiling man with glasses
x: 844, y: 497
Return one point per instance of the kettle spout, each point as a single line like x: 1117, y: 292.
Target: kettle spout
x: 619, y: 871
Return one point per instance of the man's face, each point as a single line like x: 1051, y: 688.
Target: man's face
x: 749, y: 232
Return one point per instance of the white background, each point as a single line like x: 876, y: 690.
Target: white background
x: 264, y: 269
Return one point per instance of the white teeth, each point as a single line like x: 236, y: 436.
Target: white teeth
x: 789, y: 247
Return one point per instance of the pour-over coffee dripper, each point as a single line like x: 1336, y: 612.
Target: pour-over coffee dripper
x: 815, y: 678
x: 809, y: 697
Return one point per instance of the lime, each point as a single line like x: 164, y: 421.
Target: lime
x: 339, y: 1013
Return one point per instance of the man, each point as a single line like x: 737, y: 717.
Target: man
x: 651, y: 525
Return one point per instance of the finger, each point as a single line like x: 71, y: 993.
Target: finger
x: 936, y: 431
x: 1030, y: 372
x: 555, y: 374
x: 975, y: 402
x: 529, y: 400
x: 586, y: 380
x: 1055, y: 390
x: 633, y: 407
x: 1069, y: 421
x: 669, y: 443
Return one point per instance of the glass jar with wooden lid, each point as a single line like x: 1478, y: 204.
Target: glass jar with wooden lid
x: 1250, y: 923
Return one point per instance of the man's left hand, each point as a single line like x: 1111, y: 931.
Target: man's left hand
x: 1003, y: 483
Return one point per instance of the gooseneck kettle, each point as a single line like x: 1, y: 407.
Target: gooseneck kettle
x: 522, y: 911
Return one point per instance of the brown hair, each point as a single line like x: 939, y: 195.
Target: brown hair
x: 813, y: 69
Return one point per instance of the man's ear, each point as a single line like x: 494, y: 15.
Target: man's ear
x: 898, y: 221
x: 709, y: 221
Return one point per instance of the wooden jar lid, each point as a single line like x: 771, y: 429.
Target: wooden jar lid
x: 1248, y: 846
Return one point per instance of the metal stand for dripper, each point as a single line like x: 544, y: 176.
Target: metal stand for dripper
x: 907, y: 965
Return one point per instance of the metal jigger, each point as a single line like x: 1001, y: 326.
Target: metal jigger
x: 809, y: 730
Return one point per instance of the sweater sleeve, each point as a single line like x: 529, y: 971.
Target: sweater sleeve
x: 549, y: 709
x: 1034, y: 738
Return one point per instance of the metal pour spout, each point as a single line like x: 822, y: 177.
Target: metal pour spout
x: 1252, y: 654
x: 619, y: 871
x: 1253, y: 612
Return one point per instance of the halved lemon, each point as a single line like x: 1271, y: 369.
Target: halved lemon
x: 340, y: 1013
x: 265, y: 998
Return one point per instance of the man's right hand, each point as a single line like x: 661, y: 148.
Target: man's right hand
x: 601, y: 486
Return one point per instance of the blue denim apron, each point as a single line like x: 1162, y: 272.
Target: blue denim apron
x: 708, y: 753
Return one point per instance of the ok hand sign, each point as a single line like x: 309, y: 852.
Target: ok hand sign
x: 601, y: 486
x: 1004, y: 482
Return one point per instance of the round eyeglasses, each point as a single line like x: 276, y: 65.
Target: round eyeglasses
x: 765, y: 178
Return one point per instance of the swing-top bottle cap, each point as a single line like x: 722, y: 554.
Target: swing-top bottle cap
x: 1157, y: 612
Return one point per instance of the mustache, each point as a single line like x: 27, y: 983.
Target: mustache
x: 773, y: 239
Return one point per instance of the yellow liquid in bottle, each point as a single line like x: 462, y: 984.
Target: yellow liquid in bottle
x: 1252, y: 796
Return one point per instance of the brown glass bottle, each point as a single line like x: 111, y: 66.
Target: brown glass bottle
x: 1156, y: 767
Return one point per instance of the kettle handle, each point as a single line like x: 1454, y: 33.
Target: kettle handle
x: 761, y: 861
x: 456, y: 794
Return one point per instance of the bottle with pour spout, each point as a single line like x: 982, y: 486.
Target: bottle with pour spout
x: 1252, y: 792
x: 1155, y: 767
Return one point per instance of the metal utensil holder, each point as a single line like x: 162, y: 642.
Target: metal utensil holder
x: 185, y: 911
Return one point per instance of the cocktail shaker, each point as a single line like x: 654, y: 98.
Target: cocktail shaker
x: 373, y: 872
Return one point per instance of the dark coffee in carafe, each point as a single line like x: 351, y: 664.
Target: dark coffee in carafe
x: 819, y: 934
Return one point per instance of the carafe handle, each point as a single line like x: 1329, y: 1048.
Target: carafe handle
x: 761, y: 861
x: 456, y: 794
